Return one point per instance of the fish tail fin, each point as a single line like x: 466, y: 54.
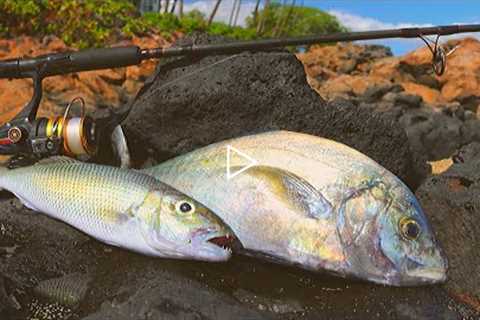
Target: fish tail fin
x: 3, y: 170
x: 4, y: 185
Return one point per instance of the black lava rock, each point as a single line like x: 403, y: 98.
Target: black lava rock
x: 192, y: 102
x: 35, y: 249
x: 169, y: 296
x: 435, y: 133
x: 452, y: 202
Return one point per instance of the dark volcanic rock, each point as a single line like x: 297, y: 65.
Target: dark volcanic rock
x: 437, y: 134
x: 192, y: 102
x: 170, y: 296
x: 125, y: 285
x: 374, y: 93
x: 452, y: 201
x: 434, y: 133
x: 34, y: 247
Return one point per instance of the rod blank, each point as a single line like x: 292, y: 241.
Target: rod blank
x: 105, y: 58
x: 259, y: 45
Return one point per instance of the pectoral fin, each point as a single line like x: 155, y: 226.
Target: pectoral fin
x: 297, y: 192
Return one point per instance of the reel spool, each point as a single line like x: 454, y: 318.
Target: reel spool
x: 71, y: 136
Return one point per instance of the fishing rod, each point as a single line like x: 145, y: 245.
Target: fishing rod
x: 27, y: 135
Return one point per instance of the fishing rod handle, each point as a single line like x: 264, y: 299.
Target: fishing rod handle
x: 105, y: 58
x: 62, y: 63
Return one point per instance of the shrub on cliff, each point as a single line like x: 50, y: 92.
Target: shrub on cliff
x: 283, y: 20
x: 79, y: 23
x: 91, y: 23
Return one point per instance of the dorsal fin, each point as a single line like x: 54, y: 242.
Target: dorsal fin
x: 57, y: 160
x: 299, y: 192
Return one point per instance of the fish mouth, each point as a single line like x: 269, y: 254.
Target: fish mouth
x: 212, y: 245
x: 429, y: 275
x: 226, y: 241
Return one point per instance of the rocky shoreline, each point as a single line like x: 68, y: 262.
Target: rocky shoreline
x: 440, y: 114
x: 254, y: 92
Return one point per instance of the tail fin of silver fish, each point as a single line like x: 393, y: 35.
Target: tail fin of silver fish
x: 3, y: 170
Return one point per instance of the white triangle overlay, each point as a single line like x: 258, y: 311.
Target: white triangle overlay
x: 252, y: 162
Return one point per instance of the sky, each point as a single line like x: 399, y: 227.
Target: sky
x: 363, y: 15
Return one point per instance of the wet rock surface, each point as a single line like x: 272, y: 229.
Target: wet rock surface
x: 452, y: 201
x: 189, y: 105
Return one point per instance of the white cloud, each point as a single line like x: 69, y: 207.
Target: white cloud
x: 361, y: 23
x: 224, y: 11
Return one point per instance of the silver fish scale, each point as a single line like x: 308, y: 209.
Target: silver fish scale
x: 89, y: 197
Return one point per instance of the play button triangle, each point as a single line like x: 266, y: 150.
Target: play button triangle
x: 231, y: 151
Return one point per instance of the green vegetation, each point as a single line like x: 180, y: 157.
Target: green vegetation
x: 90, y: 23
x: 79, y: 23
x: 297, y: 21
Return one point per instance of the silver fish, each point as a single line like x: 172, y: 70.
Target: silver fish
x: 120, y: 207
x: 316, y: 203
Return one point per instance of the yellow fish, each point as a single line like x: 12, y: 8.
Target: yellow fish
x: 121, y: 207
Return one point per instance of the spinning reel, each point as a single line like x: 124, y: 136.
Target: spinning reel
x: 43, y: 137
x: 29, y: 138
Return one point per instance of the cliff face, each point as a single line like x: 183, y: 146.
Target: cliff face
x: 349, y: 70
x: 439, y: 113
x: 343, y: 70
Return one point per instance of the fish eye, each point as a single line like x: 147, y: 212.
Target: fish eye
x: 409, y: 228
x: 185, y: 207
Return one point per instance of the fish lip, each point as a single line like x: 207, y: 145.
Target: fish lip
x: 216, y: 237
x: 209, y: 243
x: 433, y: 273
x: 429, y: 274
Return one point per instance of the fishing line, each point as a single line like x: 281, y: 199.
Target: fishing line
x: 188, y: 75
x: 123, y: 114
